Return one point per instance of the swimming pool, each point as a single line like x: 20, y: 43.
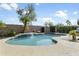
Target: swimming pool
x: 32, y: 40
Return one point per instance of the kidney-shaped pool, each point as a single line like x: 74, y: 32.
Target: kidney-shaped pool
x: 33, y: 40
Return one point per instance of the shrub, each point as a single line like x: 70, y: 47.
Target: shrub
x: 11, y: 33
x: 72, y: 32
x: 66, y: 29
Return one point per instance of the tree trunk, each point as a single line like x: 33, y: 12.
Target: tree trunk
x: 24, y: 28
x: 74, y: 37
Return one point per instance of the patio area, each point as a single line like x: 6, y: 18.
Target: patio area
x: 63, y: 47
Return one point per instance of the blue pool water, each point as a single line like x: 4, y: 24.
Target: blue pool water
x: 32, y: 40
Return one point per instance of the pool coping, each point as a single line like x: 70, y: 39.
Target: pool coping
x: 63, y: 47
x: 57, y: 39
x: 4, y: 40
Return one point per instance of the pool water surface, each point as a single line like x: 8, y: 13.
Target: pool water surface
x: 32, y: 40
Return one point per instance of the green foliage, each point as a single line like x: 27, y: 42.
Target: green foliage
x: 68, y: 23
x: 27, y: 15
x: 65, y: 29
x: 2, y: 24
x: 31, y: 14
x: 72, y: 32
x: 25, y: 19
x: 11, y: 33
x: 59, y: 27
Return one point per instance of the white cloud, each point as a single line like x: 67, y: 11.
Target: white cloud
x: 48, y: 19
x: 65, y: 10
x: 9, y: 6
x: 42, y: 20
x: 12, y: 20
x: 61, y: 14
x: 5, y: 6
x: 75, y: 12
x: 14, y: 5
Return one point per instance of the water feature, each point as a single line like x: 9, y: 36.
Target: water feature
x: 32, y: 35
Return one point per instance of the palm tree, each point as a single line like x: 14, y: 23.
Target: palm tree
x: 27, y: 15
x: 68, y: 22
x: 73, y: 33
x: 69, y: 25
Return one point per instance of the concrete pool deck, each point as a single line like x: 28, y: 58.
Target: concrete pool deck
x: 62, y: 48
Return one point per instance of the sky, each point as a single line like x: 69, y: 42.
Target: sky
x: 53, y: 12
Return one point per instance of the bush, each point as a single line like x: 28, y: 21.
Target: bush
x: 72, y: 32
x: 66, y: 29
x: 11, y: 33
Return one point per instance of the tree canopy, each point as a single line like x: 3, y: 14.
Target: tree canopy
x: 27, y: 15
